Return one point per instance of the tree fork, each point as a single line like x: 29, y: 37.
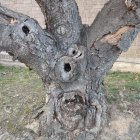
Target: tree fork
x: 72, y: 60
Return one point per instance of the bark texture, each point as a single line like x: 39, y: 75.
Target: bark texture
x: 72, y: 60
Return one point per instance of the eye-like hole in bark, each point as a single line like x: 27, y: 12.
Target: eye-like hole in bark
x: 74, y: 52
x: 67, y: 67
x: 25, y: 29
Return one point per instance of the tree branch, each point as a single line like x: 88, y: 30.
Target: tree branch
x: 62, y: 19
x: 113, y: 31
x: 23, y: 38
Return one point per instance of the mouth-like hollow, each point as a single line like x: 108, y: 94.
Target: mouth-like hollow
x: 77, y: 100
x: 73, y: 101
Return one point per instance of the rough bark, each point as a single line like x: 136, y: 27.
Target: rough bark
x: 72, y: 60
x: 62, y: 19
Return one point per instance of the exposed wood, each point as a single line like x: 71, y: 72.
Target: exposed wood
x: 114, y: 38
x: 131, y: 5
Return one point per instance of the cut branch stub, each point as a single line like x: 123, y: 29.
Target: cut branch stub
x: 69, y: 67
x: 66, y: 69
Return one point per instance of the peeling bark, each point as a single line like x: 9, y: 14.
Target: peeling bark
x: 114, y: 38
x: 71, y: 60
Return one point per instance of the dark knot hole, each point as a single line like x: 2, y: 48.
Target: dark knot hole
x: 25, y: 29
x: 74, y: 52
x: 67, y: 67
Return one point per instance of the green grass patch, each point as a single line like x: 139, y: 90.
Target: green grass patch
x: 21, y: 91
x: 124, y: 82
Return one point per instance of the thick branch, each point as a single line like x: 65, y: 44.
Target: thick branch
x: 23, y: 38
x: 62, y: 19
x: 112, y: 17
x: 112, y: 32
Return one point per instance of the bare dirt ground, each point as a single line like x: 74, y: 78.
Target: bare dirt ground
x: 123, y: 124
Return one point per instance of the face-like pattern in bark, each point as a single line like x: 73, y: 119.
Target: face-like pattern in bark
x: 69, y: 101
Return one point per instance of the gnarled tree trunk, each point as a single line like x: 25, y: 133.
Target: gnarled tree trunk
x: 72, y: 60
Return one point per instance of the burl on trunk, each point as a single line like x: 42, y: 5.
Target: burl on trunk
x: 72, y: 60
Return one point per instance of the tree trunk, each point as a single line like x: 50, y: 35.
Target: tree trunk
x: 72, y: 60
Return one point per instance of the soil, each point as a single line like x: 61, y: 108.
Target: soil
x: 124, y: 124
